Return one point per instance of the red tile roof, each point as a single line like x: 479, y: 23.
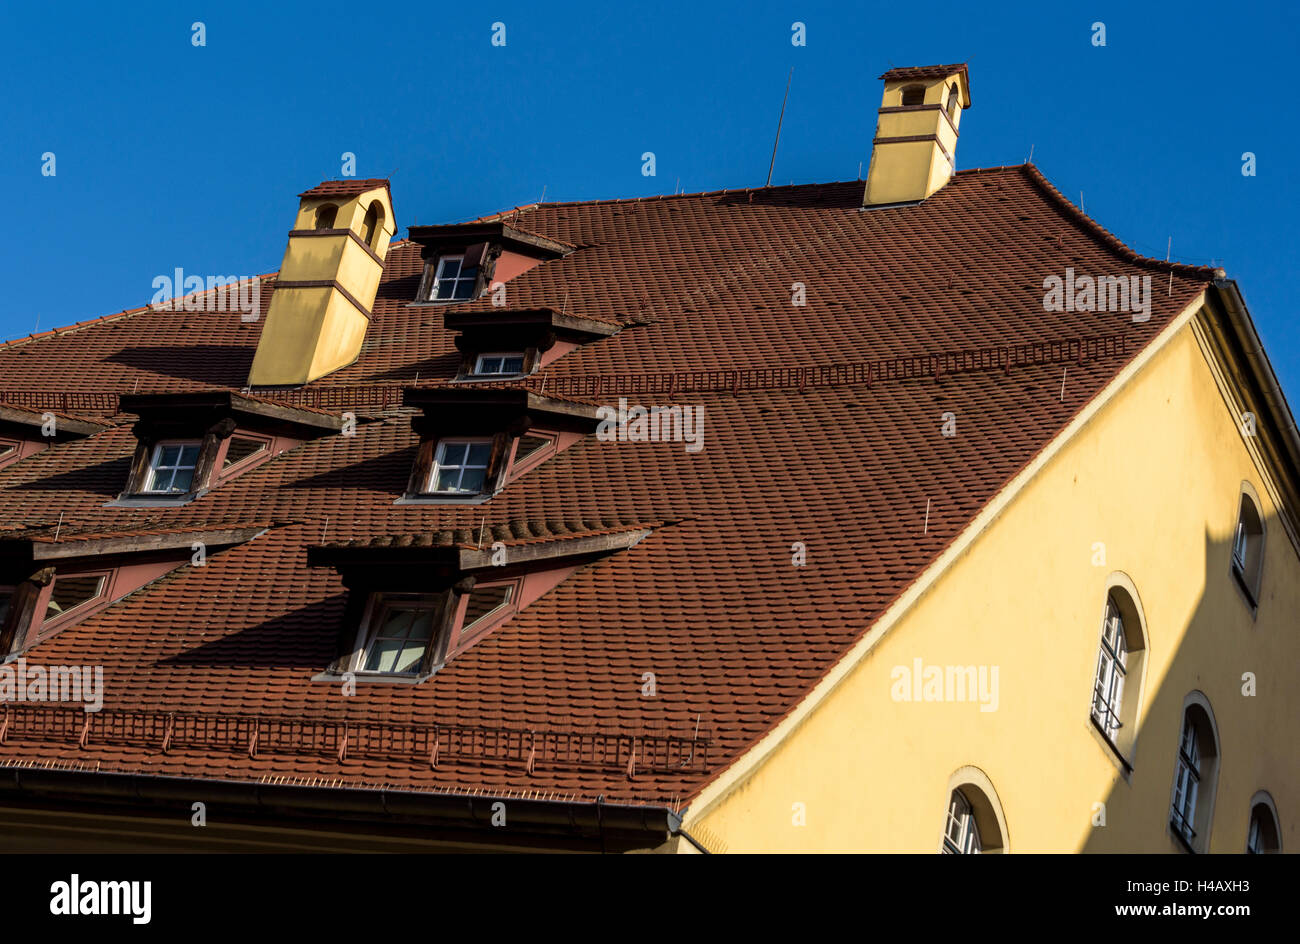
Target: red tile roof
x: 822, y: 427
x: 348, y: 187
x: 923, y: 72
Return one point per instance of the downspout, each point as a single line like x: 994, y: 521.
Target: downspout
x: 675, y: 827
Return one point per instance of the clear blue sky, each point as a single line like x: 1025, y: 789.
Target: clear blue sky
x: 173, y: 155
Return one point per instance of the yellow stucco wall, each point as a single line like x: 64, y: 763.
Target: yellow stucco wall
x: 904, y: 171
x: 1156, y: 475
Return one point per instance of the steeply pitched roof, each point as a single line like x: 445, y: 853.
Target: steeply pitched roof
x: 822, y: 427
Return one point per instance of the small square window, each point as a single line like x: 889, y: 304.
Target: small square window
x: 460, y: 466
x: 70, y: 593
x: 399, y: 636
x: 172, y: 468
x: 451, y: 282
x: 499, y: 365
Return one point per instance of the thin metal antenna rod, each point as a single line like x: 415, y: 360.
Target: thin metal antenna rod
x: 779, y: 122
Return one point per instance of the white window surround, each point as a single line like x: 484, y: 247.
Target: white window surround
x: 450, y: 282
x: 1255, y: 842
x: 409, y: 640
x: 460, y: 467
x: 1249, y: 539
x: 1112, y: 667
x: 989, y: 819
x: 1196, y: 774
x: 173, y: 461
x: 499, y: 364
x: 1120, y: 744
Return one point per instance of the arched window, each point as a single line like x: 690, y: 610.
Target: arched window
x: 1121, y: 659
x: 1196, y: 774
x: 953, y: 100
x: 325, y: 215
x: 1248, y: 547
x: 974, y: 822
x: 1264, y: 835
x: 914, y: 95
x: 371, y: 225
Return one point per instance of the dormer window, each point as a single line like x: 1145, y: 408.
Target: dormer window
x: 461, y: 466
x: 476, y: 438
x: 188, y: 443
x: 417, y: 601
x: 451, y: 282
x: 47, y: 585
x: 499, y: 365
x: 171, y: 470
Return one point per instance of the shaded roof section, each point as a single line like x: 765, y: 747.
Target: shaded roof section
x: 821, y: 427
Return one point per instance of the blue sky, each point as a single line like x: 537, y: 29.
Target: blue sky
x: 169, y: 155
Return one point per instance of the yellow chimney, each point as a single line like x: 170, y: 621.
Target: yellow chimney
x: 326, y: 287
x: 915, y: 148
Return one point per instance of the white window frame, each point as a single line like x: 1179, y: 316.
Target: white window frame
x: 431, y: 487
x: 1187, y: 780
x: 961, y: 836
x: 376, y: 606
x: 456, y: 280
x: 498, y: 355
x: 1112, y: 672
x: 154, y: 466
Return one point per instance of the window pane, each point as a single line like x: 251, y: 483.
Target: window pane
x: 464, y: 289
x: 450, y: 268
x: 444, y: 289
x: 479, y: 453
x: 160, y: 480
x: 182, y: 479
x: 383, y: 655
x: 452, y: 453
x: 71, y: 592
x: 448, y: 479
x: 168, y: 455
x: 472, y: 480
x: 240, y: 449
x: 483, y: 601
x: 396, y: 623
x: 512, y: 365
x: 189, y: 455
x: 528, y: 445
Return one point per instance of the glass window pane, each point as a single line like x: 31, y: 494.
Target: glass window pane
x: 448, y: 479
x: 396, y: 623
x: 450, y: 268
x: 472, y: 480
x: 240, y: 448
x: 408, y: 659
x: 479, y: 453
x: 189, y: 455
x: 383, y: 655
x: 445, y: 288
x: 512, y: 365
x: 182, y: 479
x: 71, y: 592
x: 483, y: 601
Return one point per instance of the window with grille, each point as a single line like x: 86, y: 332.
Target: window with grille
x: 1187, y: 780
x: 961, y: 837
x: 460, y: 466
x: 1112, y: 667
x: 499, y: 365
x: 452, y: 281
x: 171, y: 470
x: 400, y: 634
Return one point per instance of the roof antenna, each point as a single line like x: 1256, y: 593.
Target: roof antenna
x: 543, y: 200
x: 1169, y: 249
x: 859, y: 170
x: 58, y: 528
x: 1031, y: 154
x: 779, y: 121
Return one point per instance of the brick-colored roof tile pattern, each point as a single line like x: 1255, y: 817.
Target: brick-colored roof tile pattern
x: 710, y: 602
